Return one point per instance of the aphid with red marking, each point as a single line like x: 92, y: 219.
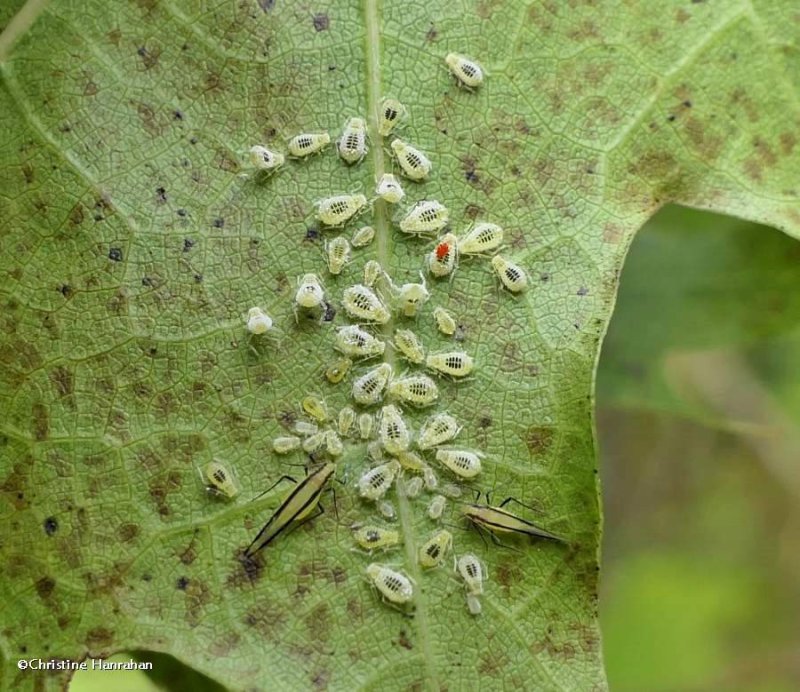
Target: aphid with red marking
x: 442, y: 260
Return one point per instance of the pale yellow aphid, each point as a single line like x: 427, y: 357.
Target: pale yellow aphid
x: 258, y: 321
x: 411, y: 461
x: 333, y: 444
x: 465, y: 70
x: 368, y: 389
x: 306, y: 144
x: 310, y: 293
x: 436, y: 430
x: 338, y: 254
x: 413, y: 487
x: 387, y: 509
x: 413, y: 162
x: 363, y: 236
x: 315, y: 442
x: 339, y: 209
x: 284, y: 445
x: 427, y: 216
x: 417, y: 390
x: 374, y: 483
x: 338, y: 370
x: 512, y: 276
x: 436, y: 507
x: 391, y: 113
x: 366, y: 422
x: 315, y: 407
x: 451, y: 490
x: 474, y: 604
x: 393, y: 431
x: 463, y: 463
x: 347, y: 416
x: 434, y: 550
x: 361, y: 303
x: 411, y: 297
x: 375, y: 451
x: 220, y: 480
x: 430, y: 478
x: 409, y: 346
x: 375, y: 538
x: 394, y: 586
x: 389, y: 189
x: 305, y: 428
x: 453, y: 363
x: 482, y: 238
x: 442, y: 259
x: 444, y: 321
x: 352, y: 144
x: 472, y: 572
x: 352, y: 340
x: 372, y: 271
x: 264, y: 159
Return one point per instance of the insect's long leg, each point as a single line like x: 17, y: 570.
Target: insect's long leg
x: 280, y: 480
x: 521, y: 504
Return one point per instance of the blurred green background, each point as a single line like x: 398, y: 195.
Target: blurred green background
x: 698, y: 421
x: 698, y: 416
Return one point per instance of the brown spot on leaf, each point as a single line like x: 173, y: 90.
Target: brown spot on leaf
x: 539, y: 439
x: 44, y: 587
x: 197, y: 596
x: 189, y: 554
x: 99, y: 638
x: 267, y: 619
x: 321, y: 22
x: 682, y: 16
x: 318, y: 624
x: 788, y: 141
x: 225, y: 161
x: 149, y: 119
x: 161, y: 487
x: 40, y: 421
x: 127, y: 532
x: 224, y: 645
x: 247, y: 571
x: 404, y: 641
x: 508, y: 574
x: 63, y: 380
x: 149, y: 57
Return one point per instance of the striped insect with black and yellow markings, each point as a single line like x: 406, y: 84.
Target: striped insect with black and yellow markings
x: 498, y: 521
x: 296, y: 507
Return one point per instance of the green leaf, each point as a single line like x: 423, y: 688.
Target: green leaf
x: 133, y: 248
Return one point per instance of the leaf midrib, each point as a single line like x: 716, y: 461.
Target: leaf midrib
x: 384, y: 251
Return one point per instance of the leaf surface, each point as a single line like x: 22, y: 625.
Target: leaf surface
x: 133, y: 247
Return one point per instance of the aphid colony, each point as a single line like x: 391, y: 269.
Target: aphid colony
x: 400, y: 459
